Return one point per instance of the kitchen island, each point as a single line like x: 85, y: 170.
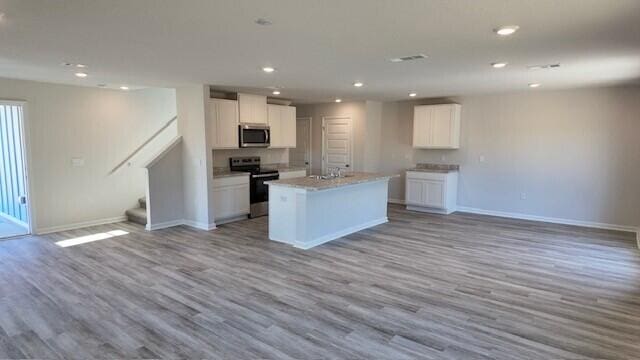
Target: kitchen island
x: 306, y: 212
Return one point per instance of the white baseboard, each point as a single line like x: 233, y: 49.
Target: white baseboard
x: 52, y: 229
x: 430, y: 210
x: 164, y: 225
x: 199, y: 225
x: 14, y: 220
x: 396, y: 201
x: 341, y: 233
x: 520, y: 216
x: 231, y: 219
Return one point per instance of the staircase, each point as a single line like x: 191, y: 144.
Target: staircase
x: 139, y: 214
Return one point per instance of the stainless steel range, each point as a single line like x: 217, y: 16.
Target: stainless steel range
x: 259, y: 193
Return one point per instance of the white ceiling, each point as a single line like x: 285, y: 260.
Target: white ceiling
x: 320, y: 47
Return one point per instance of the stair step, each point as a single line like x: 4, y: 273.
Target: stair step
x: 137, y: 215
x: 143, y: 202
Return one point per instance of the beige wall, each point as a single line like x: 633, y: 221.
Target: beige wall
x: 574, y: 153
x: 197, y: 160
x: 358, y: 113
x: 99, y: 125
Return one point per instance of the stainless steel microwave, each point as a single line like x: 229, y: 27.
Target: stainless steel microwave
x: 254, y: 135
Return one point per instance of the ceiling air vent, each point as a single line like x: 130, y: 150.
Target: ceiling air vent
x: 409, y: 58
x: 542, y: 67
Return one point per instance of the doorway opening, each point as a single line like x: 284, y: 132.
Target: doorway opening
x: 15, y: 219
x: 301, y: 155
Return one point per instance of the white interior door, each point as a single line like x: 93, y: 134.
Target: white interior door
x: 301, y: 154
x: 337, y: 143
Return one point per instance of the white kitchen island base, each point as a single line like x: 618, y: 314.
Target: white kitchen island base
x: 306, y: 217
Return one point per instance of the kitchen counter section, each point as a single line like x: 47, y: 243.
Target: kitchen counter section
x: 283, y: 167
x: 313, y: 184
x: 435, y: 168
x: 306, y: 212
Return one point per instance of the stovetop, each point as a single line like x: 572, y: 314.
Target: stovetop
x: 249, y: 164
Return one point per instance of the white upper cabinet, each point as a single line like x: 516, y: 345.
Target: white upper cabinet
x: 436, y: 126
x: 253, y: 108
x: 282, y: 123
x: 223, y: 127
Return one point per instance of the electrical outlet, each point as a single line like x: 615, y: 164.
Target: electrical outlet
x: 523, y: 196
x: 443, y: 158
x: 481, y: 158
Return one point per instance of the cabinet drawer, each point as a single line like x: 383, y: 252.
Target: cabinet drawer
x: 231, y: 181
x: 427, y: 175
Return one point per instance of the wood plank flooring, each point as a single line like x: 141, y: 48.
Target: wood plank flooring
x: 422, y: 286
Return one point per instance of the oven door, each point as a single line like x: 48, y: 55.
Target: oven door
x: 260, y: 194
x: 254, y: 136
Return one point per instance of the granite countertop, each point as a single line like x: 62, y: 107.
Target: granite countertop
x: 435, y: 168
x: 313, y: 184
x: 283, y: 167
x: 225, y: 172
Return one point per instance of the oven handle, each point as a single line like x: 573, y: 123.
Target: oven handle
x: 265, y: 175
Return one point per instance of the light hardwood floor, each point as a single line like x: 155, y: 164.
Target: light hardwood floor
x: 422, y: 286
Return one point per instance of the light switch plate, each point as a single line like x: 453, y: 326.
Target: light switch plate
x: 77, y: 162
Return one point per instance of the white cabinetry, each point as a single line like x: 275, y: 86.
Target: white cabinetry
x: 293, y: 174
x: 436, y: 126
x: 230, y: 198
x: 253, y: 108
x: 431, y: 192
x: 282, y: 123
x: 223, y: 127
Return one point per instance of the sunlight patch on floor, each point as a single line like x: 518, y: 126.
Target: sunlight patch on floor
x: 90, y: 238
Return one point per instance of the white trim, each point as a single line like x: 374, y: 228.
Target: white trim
x: 79, y: 225
x: 199, y: 225
x: 638, y: 236
x: 164, y: 225
x: 160, y: 154
x: 396, y: 201
x: 426, y: 209
x: 231, y: 219
x: 339, y: 234
x: 520, y: 216
x: 14, y: 220
x: 351, y: 142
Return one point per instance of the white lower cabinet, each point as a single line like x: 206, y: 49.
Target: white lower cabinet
x: 293, y: 174
x: 230, y: 198
x: 431, y: 192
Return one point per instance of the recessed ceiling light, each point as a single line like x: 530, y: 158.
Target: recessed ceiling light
x: 263, y: 22
x: 124, y: 87
x: 338, y: 100
x: 499, y: 65
x: 534, y: 85
x: 81, y: 66
x: 81, y: 74
x: 412, y: 94
x: 358, y: 84
x: 268, y: 69
x: 506, y: 30
x: 276, y: 92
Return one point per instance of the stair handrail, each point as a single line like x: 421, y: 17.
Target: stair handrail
x: 137, y: 150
